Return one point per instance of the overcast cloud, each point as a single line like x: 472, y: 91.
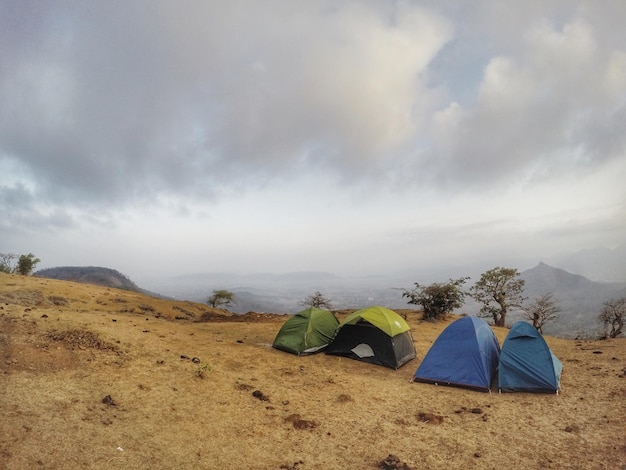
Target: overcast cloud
x: 162, y: 136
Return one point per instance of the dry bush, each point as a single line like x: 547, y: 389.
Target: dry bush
x: 80, y: 339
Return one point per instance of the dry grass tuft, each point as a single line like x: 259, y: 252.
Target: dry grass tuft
x: 429, y: 418
x: 80, y: 339
x: 344, y: 398
x: 300, y: 423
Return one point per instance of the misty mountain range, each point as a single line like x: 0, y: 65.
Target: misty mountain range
x: 580, y: 298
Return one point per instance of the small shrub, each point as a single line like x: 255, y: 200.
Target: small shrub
x: 202, y: 370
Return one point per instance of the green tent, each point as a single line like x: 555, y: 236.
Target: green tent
x: 306, y: 332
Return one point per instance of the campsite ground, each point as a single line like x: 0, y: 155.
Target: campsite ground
x: 92, y: 377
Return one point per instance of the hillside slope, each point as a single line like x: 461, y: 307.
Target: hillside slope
x: 95, y: 275
x: 95, y: 377
x: 99, y: 276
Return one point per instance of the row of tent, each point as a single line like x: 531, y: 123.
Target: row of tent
x: 465, y: 354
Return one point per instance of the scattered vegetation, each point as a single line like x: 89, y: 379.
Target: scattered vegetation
x: 498, y: 289
x: 25, y: 263
x: 202, y: 370
x: 438, y: 299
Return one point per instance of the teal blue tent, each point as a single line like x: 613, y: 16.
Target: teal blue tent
x: 526, y: 362
x: 464, y: 355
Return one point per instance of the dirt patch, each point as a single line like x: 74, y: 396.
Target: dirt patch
x: 344, y: 398
x: 23, y: 347
x: 58, y: 301
x: 243, y: 387
x: 300, y: 423
x: 25, y: 297
x: 250, y: 317
x: 429, y: 418
x: 293, y: 466
x: 81, y: 339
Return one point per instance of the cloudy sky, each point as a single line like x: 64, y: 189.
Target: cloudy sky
x: 346, y: 136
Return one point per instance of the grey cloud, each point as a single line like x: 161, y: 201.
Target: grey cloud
x: 116, y: 101
x: 108, y: 99
x: 21, y: 214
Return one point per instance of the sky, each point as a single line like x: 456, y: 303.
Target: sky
x: 170, y: 137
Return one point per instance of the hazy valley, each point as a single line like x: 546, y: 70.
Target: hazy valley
x: 581, y: 299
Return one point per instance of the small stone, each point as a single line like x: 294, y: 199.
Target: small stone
x: 108, y: 401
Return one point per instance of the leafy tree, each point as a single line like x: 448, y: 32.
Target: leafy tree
x: 6, y: 262
x: 613, y: 315
x: 26, y: 264
x: 438, y: 299
x: 317, y: 300
x: 221, y: 298
x: 498, y: 290
x: 544, y: 310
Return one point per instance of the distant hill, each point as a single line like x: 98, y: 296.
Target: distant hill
x: 543, y: 275
x: 580, y: 299
x: 91, y: 275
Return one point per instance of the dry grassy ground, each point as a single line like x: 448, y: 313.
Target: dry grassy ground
x: 96, y: 378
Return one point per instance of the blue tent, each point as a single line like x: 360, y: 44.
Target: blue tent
x: 464, y: 355
x: 526, y: 362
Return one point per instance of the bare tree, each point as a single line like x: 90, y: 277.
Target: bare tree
x: 545, y: 309
x: 6, y: 262
x: 317, y: 300
x: 613, y: 316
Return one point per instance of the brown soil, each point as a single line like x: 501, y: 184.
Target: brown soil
x: 97, y: 378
